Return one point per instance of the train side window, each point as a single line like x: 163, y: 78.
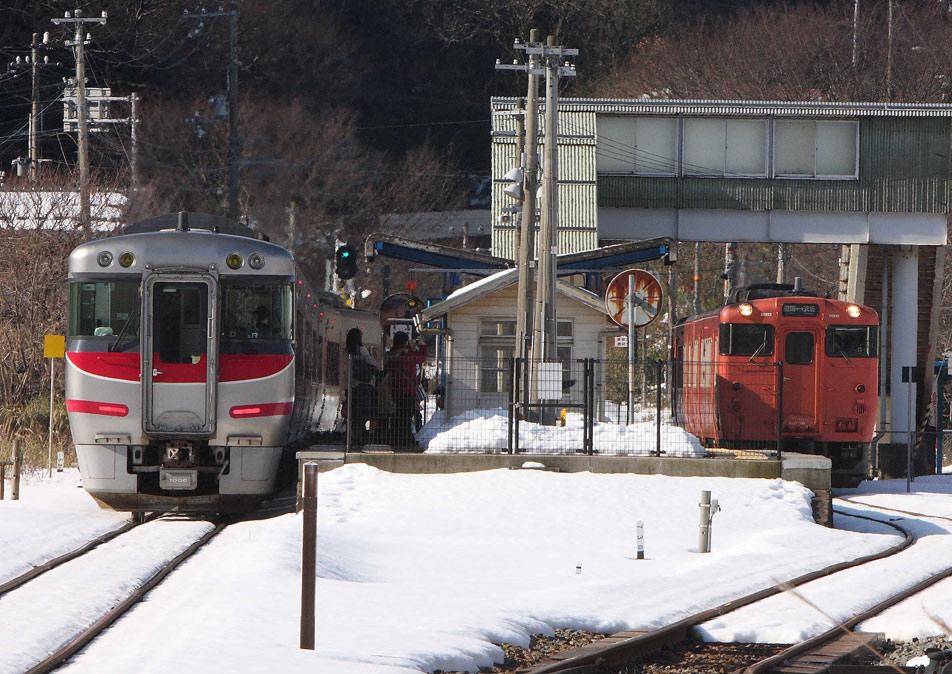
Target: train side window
x: 746, y: 339
x: 798, y: 348
x: 851, y: 341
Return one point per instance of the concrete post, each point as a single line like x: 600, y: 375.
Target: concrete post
x: 905, y: 330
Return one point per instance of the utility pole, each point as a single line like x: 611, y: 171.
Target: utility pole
x: 35, y: 104
x: 79, y: 41
x: 134, y: 135
x: 697, y: 278
x: 525, y: 246
x: 234, y: 140
x: 545, y: 339
x: 730, y: 268
x: 781, y: 263
x: 855, y: 30
x: 889, y: 52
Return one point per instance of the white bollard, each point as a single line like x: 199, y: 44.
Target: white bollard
x: 708, y: 508
x: 641, y: 539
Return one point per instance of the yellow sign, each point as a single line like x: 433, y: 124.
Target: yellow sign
x: 54, y: 346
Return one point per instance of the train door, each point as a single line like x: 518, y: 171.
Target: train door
x: 179, y: 354
x: 800, y: 373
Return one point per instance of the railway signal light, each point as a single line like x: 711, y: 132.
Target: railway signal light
x: 346, y: 262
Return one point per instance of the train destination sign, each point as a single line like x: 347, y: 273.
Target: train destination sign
x: 647, y: 298
x: 801, y: 309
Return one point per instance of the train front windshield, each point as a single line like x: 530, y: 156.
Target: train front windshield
x: 852, y: 341
x: 104, y: 308
x: 256, y: 311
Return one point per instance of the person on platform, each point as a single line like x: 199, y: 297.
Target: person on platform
x: 402, y: 363
x: 363, y: 372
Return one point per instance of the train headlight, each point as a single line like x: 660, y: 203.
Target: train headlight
x: 745, y: 309
x: 853, y: 310
x: 256, y: 260
x: 126, y: 259
x: 104, y: 258
x: 234, y: 261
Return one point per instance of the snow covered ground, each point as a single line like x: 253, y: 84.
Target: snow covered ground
x: 482, y: 430
x: 425, y: 572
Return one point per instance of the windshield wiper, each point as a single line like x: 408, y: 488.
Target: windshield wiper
x: 762, y: 347
x: 125, y: 327
x: 840, y: 349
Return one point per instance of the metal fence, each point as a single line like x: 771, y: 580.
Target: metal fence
x: 578, y: 406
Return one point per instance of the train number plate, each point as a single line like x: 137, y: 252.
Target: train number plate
x: 178, y: 479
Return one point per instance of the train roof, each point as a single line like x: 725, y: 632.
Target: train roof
x: 200, y: 248
x: 762, y: 291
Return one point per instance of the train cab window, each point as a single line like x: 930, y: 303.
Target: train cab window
x: 258, y: 311
x: 798, y: 348
x: 179, y: 317
x: 745, y: 339
x: 851, y: 341
x: 104, y: 308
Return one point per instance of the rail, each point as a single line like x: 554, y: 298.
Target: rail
x: 617, y: 650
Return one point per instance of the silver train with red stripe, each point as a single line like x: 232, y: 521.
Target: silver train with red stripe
x: 183, y: 386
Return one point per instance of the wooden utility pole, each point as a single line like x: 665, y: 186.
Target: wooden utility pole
x: 79, y: 41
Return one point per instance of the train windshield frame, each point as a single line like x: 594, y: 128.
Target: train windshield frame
x: 852, y: 341
x: 746, y: 339
x: 257, y: 310
x: 104, y: 308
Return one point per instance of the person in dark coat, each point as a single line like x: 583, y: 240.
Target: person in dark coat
x: 401, y: 363
x: 362, y: 375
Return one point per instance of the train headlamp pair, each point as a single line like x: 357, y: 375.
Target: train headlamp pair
x: 125, y: 259
x: 255, y: 261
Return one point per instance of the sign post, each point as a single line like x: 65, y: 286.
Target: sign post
x: 633, y: 299
x: 54, y: 346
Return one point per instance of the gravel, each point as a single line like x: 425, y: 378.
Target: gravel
x: 901, y: 652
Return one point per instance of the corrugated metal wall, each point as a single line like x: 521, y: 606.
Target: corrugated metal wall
x: 578, y: 198
x: 904, y: 168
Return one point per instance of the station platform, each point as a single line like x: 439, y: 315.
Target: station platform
x: 813, y: 472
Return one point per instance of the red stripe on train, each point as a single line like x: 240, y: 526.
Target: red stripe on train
x: 94, y: 407
x: 262, y: 410
x: 231, y: 366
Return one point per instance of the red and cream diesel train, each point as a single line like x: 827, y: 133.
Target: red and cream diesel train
x: 195, y: 356
x: 729, y: 391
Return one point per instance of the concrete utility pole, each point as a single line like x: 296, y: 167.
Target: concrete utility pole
x: 134, y: 135
x: 544, y: 337
x: 781, y: 263
x: 79, y: 41
x: 35, y: 104
x: 526, y: 232
x: 234, y: 140
x: 730, y: 268
x: 697, y: 278
x: 855, y: 30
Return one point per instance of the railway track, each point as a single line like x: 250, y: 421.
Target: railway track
x: 86, y: 590
x: 633, y: 652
